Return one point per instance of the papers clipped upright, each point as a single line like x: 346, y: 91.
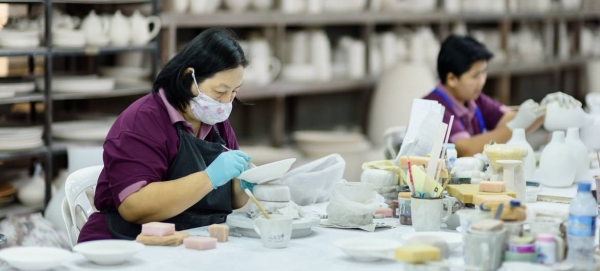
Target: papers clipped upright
x: 426, y: 116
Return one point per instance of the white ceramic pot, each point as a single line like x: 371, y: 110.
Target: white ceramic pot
x: 580, y: 151
x: 375, y: 60
x: 237, y: 6
x: 314, y: 6
x: 394, y: 93
x: 299, y: 44
x: 140, y: 28
x: 452, y: 6
x: 95, y: 29
x: 262, y: 5
x: 592, y: 100
x: 298, y: 73
x: 557, y: 163
x: 320, y: 55
x: 518, y: 139
x: 389, y: 49
x: 560, y: 119
x: 292, y: 6
x: 590, y: 133
x: 356, y: 60
x: 120, y: 30
x: 180, y: 6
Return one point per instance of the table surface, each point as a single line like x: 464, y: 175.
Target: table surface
x: 314, y: 252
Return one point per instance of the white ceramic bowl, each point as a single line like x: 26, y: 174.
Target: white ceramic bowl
x: 34, y: 258
x: 268, y: 172
x: 368, y: 249
x: 109, y: 252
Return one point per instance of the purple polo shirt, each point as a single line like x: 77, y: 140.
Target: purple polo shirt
x: 138, y: 150
x: 465, y: 122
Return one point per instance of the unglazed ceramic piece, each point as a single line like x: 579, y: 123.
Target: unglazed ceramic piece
x: 557, y: 163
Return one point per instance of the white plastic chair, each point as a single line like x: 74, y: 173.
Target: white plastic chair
x: 76, y: 212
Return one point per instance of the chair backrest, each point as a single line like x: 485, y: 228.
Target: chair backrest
x: 78, y: 183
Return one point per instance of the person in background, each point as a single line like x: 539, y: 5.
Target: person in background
x: 478, y: 119
x: 165, y: 157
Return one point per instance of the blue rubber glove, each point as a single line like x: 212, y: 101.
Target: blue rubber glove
x: 248, y: 185
x: 227, y: 166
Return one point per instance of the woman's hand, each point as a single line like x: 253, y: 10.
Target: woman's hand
x: 227, y: 166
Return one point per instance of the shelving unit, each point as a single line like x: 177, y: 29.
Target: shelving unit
x: 275, y: 26
x: 48, y: 151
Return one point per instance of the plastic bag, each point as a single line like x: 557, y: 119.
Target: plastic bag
x: 312, y: 183
x: 353, y: 204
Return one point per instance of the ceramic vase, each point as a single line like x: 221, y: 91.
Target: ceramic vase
x: 518, y: 139
x: 557, y: 163
x: 32, y: 192
x: 320, y: 55
x: 580, y: 151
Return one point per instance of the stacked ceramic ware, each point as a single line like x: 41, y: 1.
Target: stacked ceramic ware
x: 309, y: 58
x: 20, y: 138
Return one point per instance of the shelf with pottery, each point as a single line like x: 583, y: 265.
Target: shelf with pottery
x: 280, y: 18
x: 12, y: 155
x: 528, y: 67
x: 95, y: 2
x: 23, y: 51
x: 284, y: 89
x: 98, y: 50
x: 22, y: 1
x: 17, y: 208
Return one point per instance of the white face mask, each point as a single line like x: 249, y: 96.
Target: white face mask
x: 206, y: 109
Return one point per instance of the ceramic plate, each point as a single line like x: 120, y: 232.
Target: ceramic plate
x: 268, y: 172
x: 301, y: 227
x: 454, y: 240
x: 17, y: 87
x: 34, y: 258
x: 109, y: 252
x: 93, y: 130
x: 79, y: 84
x: 368, y: 249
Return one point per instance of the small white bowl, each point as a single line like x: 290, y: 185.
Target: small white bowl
x: 34, y: 258
x: 109, y: 252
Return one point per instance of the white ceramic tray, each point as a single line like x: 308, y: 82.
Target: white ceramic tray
x: 244, y: 225
x: 93, y: 130
x: 18, y: 87
x: 86, y: 84
x: 35, y: 258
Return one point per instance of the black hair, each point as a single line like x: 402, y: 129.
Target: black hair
x: 213, y: 51
x: 457, y: 55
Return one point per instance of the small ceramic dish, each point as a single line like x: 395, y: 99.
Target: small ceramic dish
x: 34, y: 258
x: 109, y: 252
x: 266, y: 173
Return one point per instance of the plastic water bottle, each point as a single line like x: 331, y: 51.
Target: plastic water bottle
x: 581, y: 228
x: 451, y: 154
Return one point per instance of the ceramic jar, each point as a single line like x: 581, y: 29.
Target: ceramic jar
x: 95, y: 29
x: 262, y: 5
x: 580, y: 151
x: 298, y: 44
x: 518, y: 139
x: 590, y: 133
x: 140, y: 28
x: 557, y: 163
x: 120, y: 29
x: 320, y: 55
x: 180, y: 6
x: 237, y: 6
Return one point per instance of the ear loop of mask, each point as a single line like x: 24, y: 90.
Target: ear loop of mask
x: 195, y: 82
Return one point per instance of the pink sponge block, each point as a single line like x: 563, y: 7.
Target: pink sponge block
x: 387, y: 212
x: 221, y: 232
x: 158, y: 229
x: 200, y: 243
x: 492, y: 187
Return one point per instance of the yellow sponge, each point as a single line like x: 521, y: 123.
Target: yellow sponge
x: 417, y: 253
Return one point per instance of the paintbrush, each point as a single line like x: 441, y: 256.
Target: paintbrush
x: 257, y: 203
x: 410, y: 176
x: 250, y: 164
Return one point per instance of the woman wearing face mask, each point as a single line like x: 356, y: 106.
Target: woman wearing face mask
x: 478, y: 119
x: 164, y: 158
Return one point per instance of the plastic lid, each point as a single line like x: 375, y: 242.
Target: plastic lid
x: 544, y: 237
x: 515, y: 203
x: 584, y: 187
x: 450, y: 146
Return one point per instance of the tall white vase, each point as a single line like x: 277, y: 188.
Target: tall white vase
x: 580, y: 151
x: 557, y: 164
x: 518, y: 139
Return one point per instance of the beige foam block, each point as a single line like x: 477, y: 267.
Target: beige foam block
x: 479, y: 199
x: 169, y: 240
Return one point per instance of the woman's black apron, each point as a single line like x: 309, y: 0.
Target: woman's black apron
x: 194, y: 155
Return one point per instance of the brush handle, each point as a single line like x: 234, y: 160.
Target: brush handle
x: 260, y: 207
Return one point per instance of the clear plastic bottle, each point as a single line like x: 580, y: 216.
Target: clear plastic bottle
x: 581, y: 228
x: 451, y: 154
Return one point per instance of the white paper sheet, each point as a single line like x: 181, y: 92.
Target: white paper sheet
x: 425, y: 118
